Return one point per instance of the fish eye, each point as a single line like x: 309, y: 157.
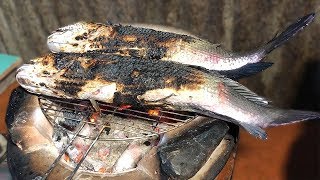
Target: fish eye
x: 42, y: 84
x: 32, y: 62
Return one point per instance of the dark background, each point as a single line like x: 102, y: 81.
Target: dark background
x: 240, y: 25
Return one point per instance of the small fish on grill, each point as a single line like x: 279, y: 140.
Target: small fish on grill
x: 134, y: 81
x: 124, y: 40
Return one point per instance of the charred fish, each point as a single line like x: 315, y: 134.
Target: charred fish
x: 128, y: 80
x: 83, y: 37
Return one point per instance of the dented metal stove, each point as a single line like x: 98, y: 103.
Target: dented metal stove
x: 58, y: 139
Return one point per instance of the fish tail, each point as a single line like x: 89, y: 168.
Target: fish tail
x: 280, y: 117
x: 289, y: 32
x: 246, y: 70
x: 283, y: 117
x: 254, y: 130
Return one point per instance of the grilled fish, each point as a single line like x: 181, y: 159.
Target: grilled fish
x: 134, y: 81
x: 147, y: 43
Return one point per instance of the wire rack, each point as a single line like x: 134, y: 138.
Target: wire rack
x: 73, y: 117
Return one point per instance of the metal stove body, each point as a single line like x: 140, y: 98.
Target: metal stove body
x: 162, y: 144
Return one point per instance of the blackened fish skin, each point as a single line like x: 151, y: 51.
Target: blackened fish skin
x: 84, y: 37
x: 111, y: 78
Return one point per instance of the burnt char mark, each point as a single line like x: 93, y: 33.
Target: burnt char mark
x: 138, y: 75
x: 99, y: 38
x: 107, y: 58
x: 134, y: 75
x: 72, y: 66
x: 70, y: 88
x: 150, y: 33
x: 76, y: 71
x: 156, y: 52
x: 82, y: 37
x: 139, y: 48
x: 45, y: 72
x: 146, y: 49
x: 140, y: 42
x: 61, y: 60
x: 45, y: 62
x: 120, y: 99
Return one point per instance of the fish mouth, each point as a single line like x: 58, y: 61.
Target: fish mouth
x: 28, y: 84
x: 28, y: 79
x: 54, y: 47
x: 58, y: 40
x: 25, y: 81
x: 24, y: 68
x: 24, y: 76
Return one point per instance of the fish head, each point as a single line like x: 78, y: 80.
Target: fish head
x: 79, y: 37
x: 69, y: 76
x: 40, y: 77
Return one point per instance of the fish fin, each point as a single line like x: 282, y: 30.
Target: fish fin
x: 252, y: 129
x: 205, y: 70
x: 245, y: 92
x: 283, y: 117
x: 242, y: 72
x: 246, y: 70
x: 255, y: 130
x: 289, y: 32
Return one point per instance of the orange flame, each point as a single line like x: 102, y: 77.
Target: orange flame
x: 154, y: 112
x: 66, y: 158
x: 124, y: 106
x: 94, y: 117
x: 102, y: 170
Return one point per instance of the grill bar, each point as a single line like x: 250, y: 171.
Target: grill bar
x: 62, y: 152
x: 136, y: 123
x: 86, y: 153
x: 90, y: 147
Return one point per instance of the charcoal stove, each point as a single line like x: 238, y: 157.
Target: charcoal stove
x: 57, y: 139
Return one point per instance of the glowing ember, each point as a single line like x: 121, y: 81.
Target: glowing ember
x: 154, y: 112
x: 94, y: 117
x: 66, y: 158
x: 102, y: 170
x: 124, y: 107
x: 157, y: 129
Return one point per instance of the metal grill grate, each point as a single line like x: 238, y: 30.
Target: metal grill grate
x: 72, y: 117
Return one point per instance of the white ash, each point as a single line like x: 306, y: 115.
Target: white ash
x: 116, y: 156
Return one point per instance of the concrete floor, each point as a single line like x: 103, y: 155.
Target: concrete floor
x: 291, y: 152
